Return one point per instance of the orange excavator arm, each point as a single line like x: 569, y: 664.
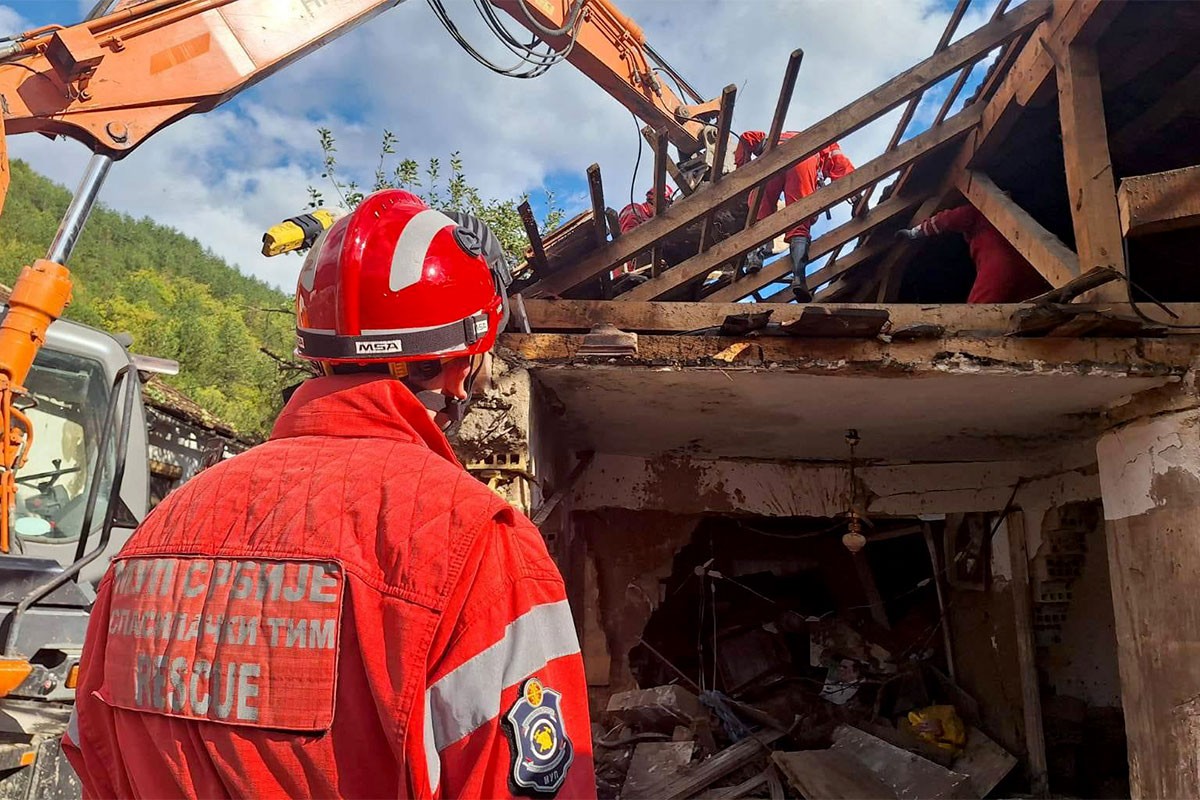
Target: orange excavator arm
x: 112, y: 81
x: 136, y: 66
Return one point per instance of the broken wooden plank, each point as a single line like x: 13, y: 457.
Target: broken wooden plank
x: 777, y: 120
x: 837, y: 126
x: 739, y: 244
x: 596, y: 192
x: 829, y: 322
x: 660, y: 192
x: 739, y: 790
x: 830, y: 775
x: 742, y: 324
x: 909, y: 776
x: 1093, y: 193
x: 712, y: 769
x: 1031, y: 696
x: 1160, y: 202
x: 540, y: 266
x: 984, y: 762
x: 724, y: 123
x: 1069, y: 291
x: 847, y: 231
x: 1042, y: 249
x: 653, y: 764
x: 1071, y: 321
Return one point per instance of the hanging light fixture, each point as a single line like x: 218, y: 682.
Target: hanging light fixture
x: 853, y: 538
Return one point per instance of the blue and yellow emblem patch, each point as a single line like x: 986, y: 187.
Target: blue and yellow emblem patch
x: 541, y: 751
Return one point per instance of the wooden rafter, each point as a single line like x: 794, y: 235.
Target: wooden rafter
x: 838, y: 125
x: 737, y: 245
x: 1163, y: 201
x: 1027, y: 82
x: 1045, y: 251
x: 1090, y: 184
x: 887, y: 210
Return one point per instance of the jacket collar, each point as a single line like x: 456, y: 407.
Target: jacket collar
x: 363, y: 406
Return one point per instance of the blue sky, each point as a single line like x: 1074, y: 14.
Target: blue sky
x: 224, y: 176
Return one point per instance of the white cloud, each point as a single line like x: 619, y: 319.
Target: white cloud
x: 223, y: 177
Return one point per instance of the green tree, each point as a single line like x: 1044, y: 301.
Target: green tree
x: 177, y: 299
x: 454, y: 193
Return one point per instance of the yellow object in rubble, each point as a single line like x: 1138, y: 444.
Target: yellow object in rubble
x: 939, y: 725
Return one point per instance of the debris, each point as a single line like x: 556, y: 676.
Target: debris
x: 768, y: 776
x: 751, y: 657
x: 734, y: 728
x: 653, y: 764
x: 912, y: 333
x: 939, y: 725
x: 606, y: 341
x: 841, y: 684
x: 733, y: 351
x: 659, y: 709
x: 984, y: 762
x: 909, y: 776
x: 700, y: 776
x: 830, y: 775
x: 837, y: 323
x: 742, y: 324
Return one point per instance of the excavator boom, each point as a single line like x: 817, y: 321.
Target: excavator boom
x: 112, y: 81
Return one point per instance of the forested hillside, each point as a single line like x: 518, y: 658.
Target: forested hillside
x: 176, y: 298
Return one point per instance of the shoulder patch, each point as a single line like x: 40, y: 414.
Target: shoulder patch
x: 540, y: 750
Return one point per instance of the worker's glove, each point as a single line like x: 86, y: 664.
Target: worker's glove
x: 755, y: 258
x: 909, y: 233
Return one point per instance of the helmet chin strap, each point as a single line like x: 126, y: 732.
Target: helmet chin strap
x: 453, y: 408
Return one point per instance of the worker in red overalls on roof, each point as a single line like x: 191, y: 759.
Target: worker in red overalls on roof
x: 1002, y: 275
x: 344, y: 611
x: 635, y: 214
x: 798, y: 182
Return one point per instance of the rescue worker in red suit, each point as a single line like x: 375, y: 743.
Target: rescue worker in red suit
x: 798, y: 182
x: 344, y: 611
x: 634, y: 215
x: 1002, y: 275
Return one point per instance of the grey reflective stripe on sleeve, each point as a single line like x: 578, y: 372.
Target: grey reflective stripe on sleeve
x: 433, y: 762
x: 73, y: 728
x: 469, y: 696
x: 408, y: 259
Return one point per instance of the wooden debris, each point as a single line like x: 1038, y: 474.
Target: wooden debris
x: 654, y: 763
x: 700, y: 776
x: 830, y: 775
x: 909, y: 776
x: 1069, y: 321
x: 741, y: 324
x: 912, y: 333
x: 659, y: 709
x: 984, y: 762
x: 607, y: 342
x: 833, y: 323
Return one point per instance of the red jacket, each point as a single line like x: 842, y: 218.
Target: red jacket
x: 798, y: 182
x: 1002, y: 275
x: 340, y: 612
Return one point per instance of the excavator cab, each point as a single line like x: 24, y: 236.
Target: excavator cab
x: 83, y: 489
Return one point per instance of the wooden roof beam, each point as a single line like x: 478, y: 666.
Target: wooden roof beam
x: 856, y: 226
x: 1163, y: 201
x: 1090, y: 183
x: 739, y: 244
x: 834, y: 127
x: 1045, y: 251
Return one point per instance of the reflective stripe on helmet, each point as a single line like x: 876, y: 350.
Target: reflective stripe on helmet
x: 393, y: 344
x: 408, y: 259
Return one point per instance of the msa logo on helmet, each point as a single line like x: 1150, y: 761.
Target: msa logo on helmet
x: 378, y: 348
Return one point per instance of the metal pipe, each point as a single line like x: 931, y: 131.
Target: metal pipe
x: 667, y: 68
x: 79, y: 209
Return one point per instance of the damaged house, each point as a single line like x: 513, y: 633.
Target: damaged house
x: 888, y: 544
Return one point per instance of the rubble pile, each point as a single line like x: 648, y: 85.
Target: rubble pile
x: 851, y: 721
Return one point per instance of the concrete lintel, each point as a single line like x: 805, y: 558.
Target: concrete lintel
x: 954, y: 355
x: 653, y: 317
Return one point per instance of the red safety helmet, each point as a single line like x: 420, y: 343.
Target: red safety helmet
x: 395, y: 281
